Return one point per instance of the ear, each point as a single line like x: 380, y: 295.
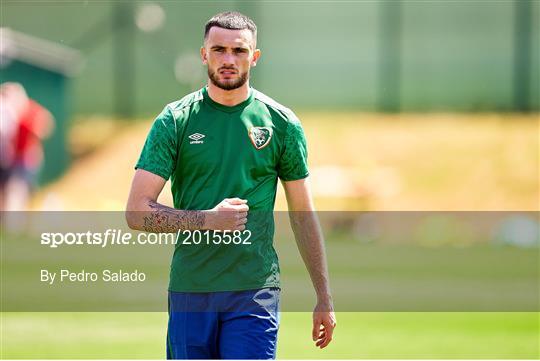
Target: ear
x: 256, y: 56
x: 203, y: 55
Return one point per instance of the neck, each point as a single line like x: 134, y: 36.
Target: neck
x: 229, y: 98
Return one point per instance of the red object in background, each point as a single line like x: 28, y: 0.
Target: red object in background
x: 34, y: 124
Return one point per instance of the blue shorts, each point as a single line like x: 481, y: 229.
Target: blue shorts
x: 223, y: 325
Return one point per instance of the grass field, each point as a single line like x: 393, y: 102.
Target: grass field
x: 358, y: 335
x: 363, y: 277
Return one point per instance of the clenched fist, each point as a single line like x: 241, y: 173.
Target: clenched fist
x: 229, y: 215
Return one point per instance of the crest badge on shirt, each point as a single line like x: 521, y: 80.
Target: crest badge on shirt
x: 260, y: 136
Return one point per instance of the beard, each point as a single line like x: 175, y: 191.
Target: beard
x: 227, y: 84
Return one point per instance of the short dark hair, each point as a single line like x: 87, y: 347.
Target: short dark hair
x: 232, y: 20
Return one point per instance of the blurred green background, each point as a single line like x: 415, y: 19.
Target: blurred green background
x: 360, y: 55
x: 389, y: 56
x: 407, y: 105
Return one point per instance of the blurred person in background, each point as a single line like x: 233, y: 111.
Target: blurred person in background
x: 25, y: 124
x: 12, y: 97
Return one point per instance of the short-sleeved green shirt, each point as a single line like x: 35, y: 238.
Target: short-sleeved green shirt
x: 211, y: 152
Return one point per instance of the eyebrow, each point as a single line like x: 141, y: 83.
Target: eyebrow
x: 236, y: 48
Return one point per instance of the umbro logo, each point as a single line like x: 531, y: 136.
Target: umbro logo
x: 196, y: 138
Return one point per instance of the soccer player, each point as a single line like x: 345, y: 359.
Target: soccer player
x: 224, y: 148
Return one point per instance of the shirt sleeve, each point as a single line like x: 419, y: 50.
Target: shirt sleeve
x: 293, y: 162
x: 159, y: 153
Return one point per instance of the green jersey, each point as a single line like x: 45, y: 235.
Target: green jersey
x: 211, y: 152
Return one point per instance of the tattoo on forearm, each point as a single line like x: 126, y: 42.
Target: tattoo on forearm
x: 168, y: 220
x: 311, y: 245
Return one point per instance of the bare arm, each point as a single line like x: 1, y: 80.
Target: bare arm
x: 309, y: 240
x: 144, y: 213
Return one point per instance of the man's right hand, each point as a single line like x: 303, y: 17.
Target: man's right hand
x: 229, y: 215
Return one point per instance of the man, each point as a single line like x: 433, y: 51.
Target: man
x: 25, y: 125
x: 224, y: 148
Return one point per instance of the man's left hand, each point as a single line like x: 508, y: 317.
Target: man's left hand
x: 324, y: 322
